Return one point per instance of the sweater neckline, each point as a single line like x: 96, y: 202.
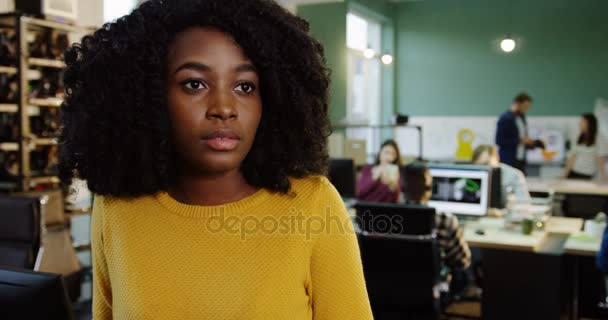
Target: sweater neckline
x: 193, y: 211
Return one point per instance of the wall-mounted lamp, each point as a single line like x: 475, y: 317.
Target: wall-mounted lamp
x: 386, y: 59
x: 507, y: 44
x: 369, y: 53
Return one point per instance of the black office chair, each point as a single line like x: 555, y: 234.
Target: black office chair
x: 401, y: 263
x: 19, y: 231
x: 26, y: 294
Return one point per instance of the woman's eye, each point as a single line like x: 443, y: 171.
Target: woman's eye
x: 245, y: 87
x: 194, y: 85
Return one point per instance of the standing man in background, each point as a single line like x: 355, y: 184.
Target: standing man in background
x: 512, y: 133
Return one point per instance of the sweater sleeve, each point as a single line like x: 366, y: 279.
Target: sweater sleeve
x: 366, y: 183
x: 102, y: 289
x: 338, y: 288
x: 450, y: 237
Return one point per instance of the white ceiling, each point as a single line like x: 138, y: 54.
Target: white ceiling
x: 291, y: 4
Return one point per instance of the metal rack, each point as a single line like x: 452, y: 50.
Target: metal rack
x: 24, y: 26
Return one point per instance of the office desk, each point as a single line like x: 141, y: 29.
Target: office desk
x: 568, y: 186
x: 496, y: 236
x: 517, y: 276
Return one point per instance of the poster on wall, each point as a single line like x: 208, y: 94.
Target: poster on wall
x: 555, y: 146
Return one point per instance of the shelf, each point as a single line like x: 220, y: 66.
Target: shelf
x: 50, y: 63
x: 9, y: 146
x: 9, y: 108
x: 43, y: 180
x: 74, y: 211
x: 8, y: 70
x: 54, y: 25
x: 48, y: 102
x: 44, y: 141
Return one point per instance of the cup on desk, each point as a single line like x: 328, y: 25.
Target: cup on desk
x: 527, y: 225
x: 594, y: 229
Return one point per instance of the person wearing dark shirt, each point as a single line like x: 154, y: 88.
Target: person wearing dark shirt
x: 512, y: 133
x: 454, y: 249
x: 602, y: 256
x: 381, y: 181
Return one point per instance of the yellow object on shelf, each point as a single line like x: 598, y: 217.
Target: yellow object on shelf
x: 465, y: 144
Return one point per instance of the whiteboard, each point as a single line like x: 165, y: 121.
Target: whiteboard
x: 440, y: 133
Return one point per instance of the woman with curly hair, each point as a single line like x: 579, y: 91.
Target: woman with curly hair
x: 201, y: 127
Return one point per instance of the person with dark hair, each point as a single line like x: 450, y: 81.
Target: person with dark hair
x: 512, y: 133
x: 585, y: 158
x: 381, y: 181
x: 201, y: 128
x: 512, y: 180
x: 418, y: 188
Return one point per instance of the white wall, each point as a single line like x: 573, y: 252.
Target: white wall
x: 440, y: 133
x: 90, y: 12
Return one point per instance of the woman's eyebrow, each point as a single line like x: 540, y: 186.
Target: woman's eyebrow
x: 193, y: 66
x: 247, y: 67
x: 197, y: 66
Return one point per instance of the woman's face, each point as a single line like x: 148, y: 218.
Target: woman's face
x: 214, y: 100
x: 388, y: 154
x: 583, y: 125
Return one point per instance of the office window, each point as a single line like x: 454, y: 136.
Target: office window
x: 363, y: 79
x: 114, y: 9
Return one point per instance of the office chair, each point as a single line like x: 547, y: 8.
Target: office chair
x: 26, y: 294
x: 20, y: 229
x: 401, y: 268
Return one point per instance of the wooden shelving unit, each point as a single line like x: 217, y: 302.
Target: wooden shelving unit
x: 28, y: 68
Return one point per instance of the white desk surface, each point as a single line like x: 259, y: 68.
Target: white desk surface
x: 569, y: 186
x: 496, y: 236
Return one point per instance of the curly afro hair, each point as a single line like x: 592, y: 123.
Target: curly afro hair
x: 116, y: 129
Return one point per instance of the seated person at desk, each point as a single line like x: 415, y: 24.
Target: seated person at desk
x: 512, y: 179
x: 455, y: 252
x: 585, y: 158
x: 381, y: 182
x: 602, y: 255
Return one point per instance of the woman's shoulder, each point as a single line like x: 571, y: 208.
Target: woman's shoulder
x: 310, y: 184
x: 314, y: 190
x: 108, y: 204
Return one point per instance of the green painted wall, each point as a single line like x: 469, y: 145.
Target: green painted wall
x: 448, y: 61
x: 328, y: 25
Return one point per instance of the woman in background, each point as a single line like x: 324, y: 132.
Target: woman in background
x: 381, y: 182
x: 585, y: 160
x: 511, y: 178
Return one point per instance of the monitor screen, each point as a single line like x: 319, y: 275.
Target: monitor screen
x: 61, y: 8
x: 460, y: 190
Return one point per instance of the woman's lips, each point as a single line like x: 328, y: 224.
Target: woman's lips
x: 222, y: 140
x: 222, y: 144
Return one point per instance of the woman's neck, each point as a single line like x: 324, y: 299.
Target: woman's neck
x: 208, y: 190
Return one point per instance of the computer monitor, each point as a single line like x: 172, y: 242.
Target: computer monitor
x: 33, y: 295
x: 342, y: 176
x: 394, y: 218
x: 497, y: 198
x: 461, y: 189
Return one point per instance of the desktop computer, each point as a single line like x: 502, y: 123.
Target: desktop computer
x: 461, y: 189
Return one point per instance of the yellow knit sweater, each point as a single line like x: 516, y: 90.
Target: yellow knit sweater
x: 267, y: 256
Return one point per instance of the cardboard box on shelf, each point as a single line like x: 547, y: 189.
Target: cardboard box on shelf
x: 59, y: 255
x: 53, y: 211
